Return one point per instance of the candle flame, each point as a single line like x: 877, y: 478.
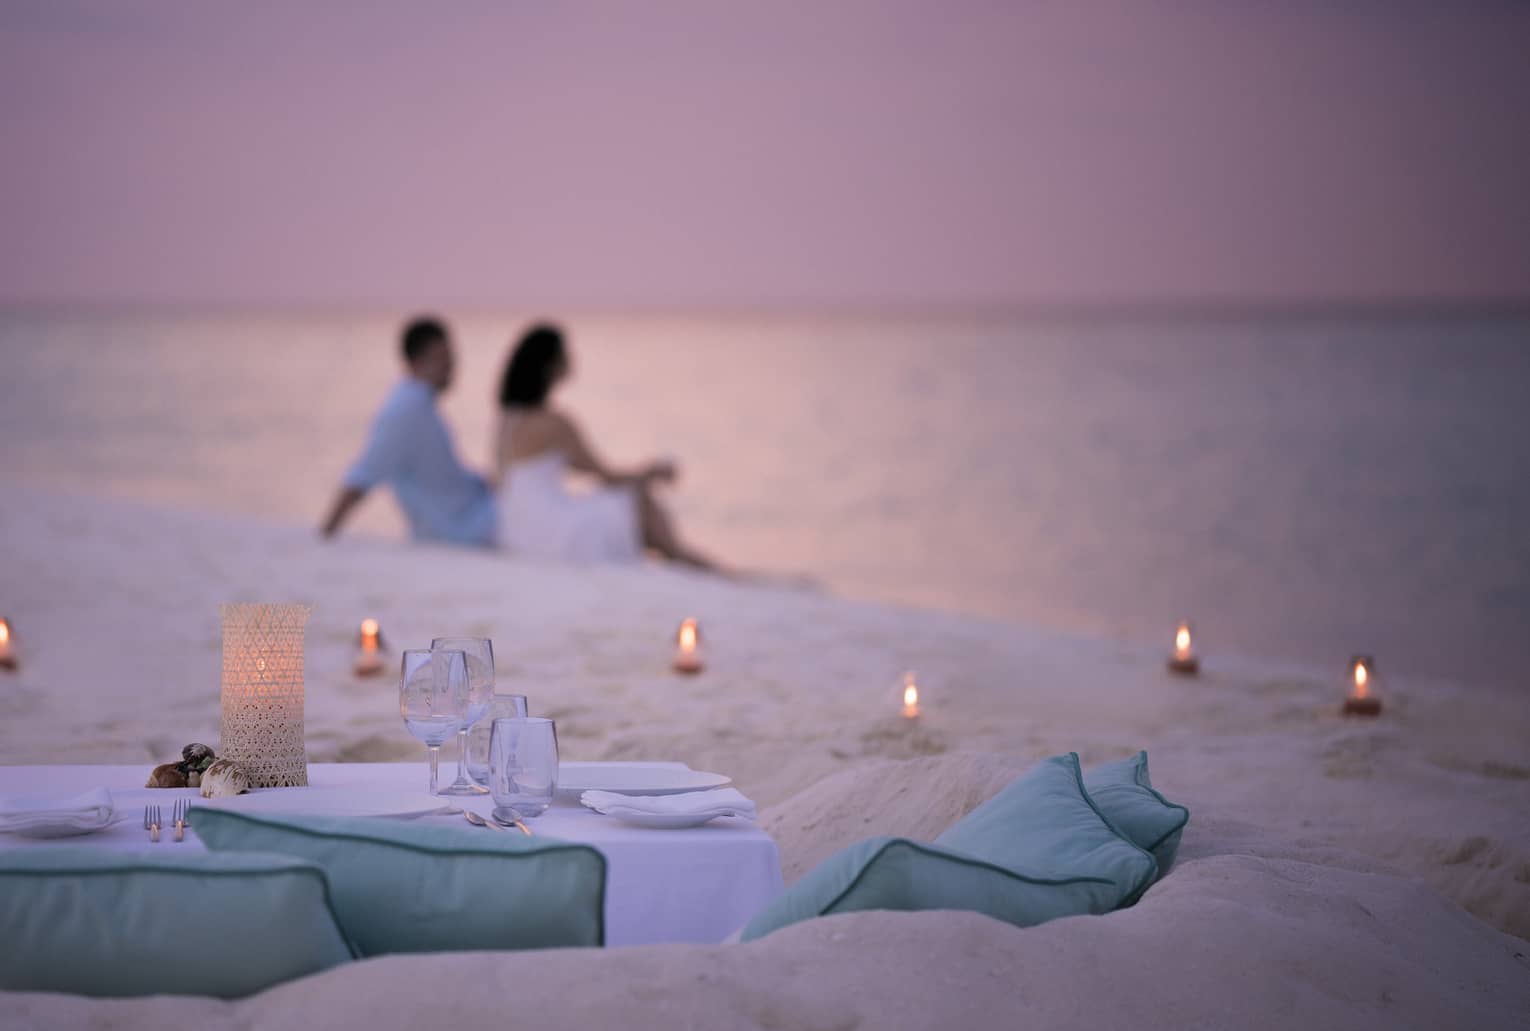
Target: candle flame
x: 5, y: 632
x: 1182, y: 639
x: 369, y: 628
x: 910, y: 696
x: 1362, y: 679
x: 688, y: 635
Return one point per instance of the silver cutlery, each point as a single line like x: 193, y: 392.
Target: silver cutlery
x: 517, y: 824
x: 178, y: 817
x: 479, y: 821
x: 151, y: 821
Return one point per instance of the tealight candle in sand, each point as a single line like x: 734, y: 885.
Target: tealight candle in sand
x: 688, y: 648
x: 910, y: 696
x: 1184, y: 660
x: 1362, y: 700
x: 7, y: 648
x: 369, y: 660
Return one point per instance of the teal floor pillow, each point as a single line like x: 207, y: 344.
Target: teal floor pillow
x: 409, y: 886
x: 1046, y: 825
x: 92, y: 922
x: 1125, y: 794
x: 1036, y: 851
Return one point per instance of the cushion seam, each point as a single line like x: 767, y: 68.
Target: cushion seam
x: 1152, y: 873
x: 958, y: 857
x: 1140, y: 771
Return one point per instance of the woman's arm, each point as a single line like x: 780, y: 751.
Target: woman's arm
x: 583, y: 458
x: 340, y: 511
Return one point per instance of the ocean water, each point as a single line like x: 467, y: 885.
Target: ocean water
x: 1299, y: 488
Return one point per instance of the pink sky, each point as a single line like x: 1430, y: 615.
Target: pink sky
x: 673, y: 154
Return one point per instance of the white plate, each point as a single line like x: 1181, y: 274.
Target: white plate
x: 575, y: 779
x: 664, y: 821
x: 327, y: 802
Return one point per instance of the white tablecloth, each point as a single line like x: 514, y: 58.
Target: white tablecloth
x: 694, y: 885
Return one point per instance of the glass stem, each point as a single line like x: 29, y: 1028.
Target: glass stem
x: 462, y: 756
x: 435, y: 756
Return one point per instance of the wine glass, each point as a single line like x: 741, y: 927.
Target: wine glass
x: 433, y: 698
x: 523, y: 766
x: 480, y: 667
x: 504, y: 706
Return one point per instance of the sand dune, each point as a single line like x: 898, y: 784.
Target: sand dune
x: 1321, y: 879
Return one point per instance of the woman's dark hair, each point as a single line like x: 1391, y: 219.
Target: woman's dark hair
x: 532, y: 366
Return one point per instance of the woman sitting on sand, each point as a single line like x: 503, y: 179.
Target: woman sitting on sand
x: 536, y: 446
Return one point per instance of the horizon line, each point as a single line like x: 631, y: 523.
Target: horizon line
x: 1175, y: 309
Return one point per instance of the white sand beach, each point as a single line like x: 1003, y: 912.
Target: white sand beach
x: 1335, y: 873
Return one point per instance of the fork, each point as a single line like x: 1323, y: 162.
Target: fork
x: 178, y: 817
x: 151, y: 821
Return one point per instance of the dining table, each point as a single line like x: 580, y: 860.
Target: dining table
x: 695, y: 884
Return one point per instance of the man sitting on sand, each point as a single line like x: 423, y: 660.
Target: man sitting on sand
x: 410, y: 449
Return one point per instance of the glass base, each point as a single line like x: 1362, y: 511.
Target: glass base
x: 461, y: 787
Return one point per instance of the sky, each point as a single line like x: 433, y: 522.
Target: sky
x: 674, y: 154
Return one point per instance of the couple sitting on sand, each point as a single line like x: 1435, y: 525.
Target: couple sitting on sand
x: 533, y: 513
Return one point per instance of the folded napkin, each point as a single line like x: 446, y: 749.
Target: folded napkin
x: 54, y: 817
x: 718, y: 802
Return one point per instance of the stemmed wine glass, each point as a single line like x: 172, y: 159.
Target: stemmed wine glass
x: 479, y: 652
x: 433, y: 698
x: 504, y: 706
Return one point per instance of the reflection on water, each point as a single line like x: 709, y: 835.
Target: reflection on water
x: 1300, y: 489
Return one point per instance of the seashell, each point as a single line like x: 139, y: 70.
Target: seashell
x: 197, y: 756
x: 224, y: 777
x: 168, y: 775
x: 194, y: 779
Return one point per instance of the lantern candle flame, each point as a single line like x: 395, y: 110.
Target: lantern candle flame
x: 7, y: 655
x: 688, y: 648
x: 910, y: 696
x: 1183, y: 660
x: 1362, y: 700
x: 369, y: 661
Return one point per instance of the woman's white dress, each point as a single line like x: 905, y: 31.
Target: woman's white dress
x: 539, y: 517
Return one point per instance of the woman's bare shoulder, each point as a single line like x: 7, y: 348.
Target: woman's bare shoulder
x: 533, y: 419
x: 529, y: 430
x: 564, y: 418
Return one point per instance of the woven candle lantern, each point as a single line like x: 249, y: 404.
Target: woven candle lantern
x: 263, y: 693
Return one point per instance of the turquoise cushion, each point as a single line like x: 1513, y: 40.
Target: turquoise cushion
x: 1036, y: 851
x: 1046, y: 825
x: 402, y: 886
x: 1124, y: 793
x: 92, y: 922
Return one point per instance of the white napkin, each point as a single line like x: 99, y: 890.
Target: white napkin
x: 718, y: 802
x: 54, y: 817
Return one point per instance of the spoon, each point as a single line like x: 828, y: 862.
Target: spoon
x: 517, y: 824
x: 479, y: 821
